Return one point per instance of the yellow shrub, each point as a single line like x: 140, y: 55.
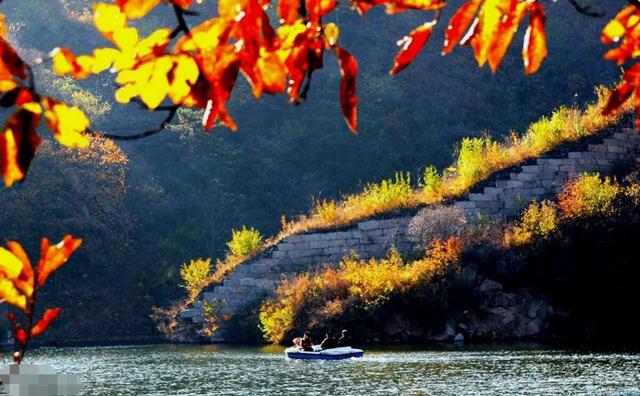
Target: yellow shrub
x: 538, y: 221
x: 327, y: 210
x: 381, y: 197
x: 327, y: 295
x: 194, y: 273
x: 244, y: 242
x: 589, y: 195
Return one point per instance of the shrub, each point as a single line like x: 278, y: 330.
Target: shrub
x: 539, y: 221
x: 194, y: 273
x: 589, y: 195
x: 385, y: 196
x: 431, y: 180
x: 356, y: 289
x: 327, y: 210
x: 564, y: 124
x: 244, y: 242
x: 437, y: 222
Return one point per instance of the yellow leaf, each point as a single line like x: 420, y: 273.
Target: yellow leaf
x: 11, y: 295
x: 157, y: 87
x: 125, y: 38
x: 154, y: 43
x: 103, y: 58
x: 331, y: 33
x: 185, y: 74
x: 612, y: 32
x: 108, y: 18
x: 125, y: 93
x: 33, y: 107
x: 10, y: 265
x: 7, y: 85
x: 66, y: 123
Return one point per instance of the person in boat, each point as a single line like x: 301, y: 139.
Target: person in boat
x: 307, y: 344
x: 345, y: 339
x: 328, y: 342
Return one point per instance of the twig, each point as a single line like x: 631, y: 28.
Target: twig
x: 587, y: 9
x: 141, y: 135
x: 182, y: 23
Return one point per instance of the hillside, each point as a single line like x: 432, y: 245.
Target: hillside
x: 184, y: 190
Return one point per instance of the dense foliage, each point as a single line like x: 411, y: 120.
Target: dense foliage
x: 359, y: 293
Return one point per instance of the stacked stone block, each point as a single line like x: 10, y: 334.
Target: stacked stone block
x: 545, y: 177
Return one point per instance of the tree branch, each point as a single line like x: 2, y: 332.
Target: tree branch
x: 587, y: 10
x: 182, y: 23
x: 141, y: 135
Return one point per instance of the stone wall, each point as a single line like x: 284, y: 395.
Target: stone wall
x: 501, y: 197
x: 544, y: 177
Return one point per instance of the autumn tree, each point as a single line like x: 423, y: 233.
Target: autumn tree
x: 198, y: 66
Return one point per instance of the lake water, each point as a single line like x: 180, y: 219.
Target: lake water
x: 233, y: 370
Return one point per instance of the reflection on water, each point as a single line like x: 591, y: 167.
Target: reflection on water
x: 213, y: 369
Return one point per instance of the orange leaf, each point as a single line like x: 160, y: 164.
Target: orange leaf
x: 506, y: 30
x: 3, y: 27
x: 53, y: 257
x: 138, y: 8
x: 18, y: 144
x: 348, y: 99
x: 534, y: 49
x: 66, y: 63
x: 24, y: 282
x: 42, y: 324
x: 486, y: 27
x: 458, y: 24
x: 411, y: 46
x: 273, y: 74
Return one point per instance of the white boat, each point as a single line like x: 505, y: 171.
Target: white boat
x: 326, y: 354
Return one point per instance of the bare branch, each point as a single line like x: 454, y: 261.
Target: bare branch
x: 182, y: 23
x: 141, y: 135
x: 587, y: 10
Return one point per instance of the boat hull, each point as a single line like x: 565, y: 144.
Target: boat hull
x: 327, y: 354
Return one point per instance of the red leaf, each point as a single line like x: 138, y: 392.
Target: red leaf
x: 184, y: 4
x: 534, y: 49
x: 10, y: 63
x: 42, y: 324
x: 18, y: 332
x: 458, y: 23
x: 411, y: 46
x: 617, y: 97
x: 348, y: 100
x: 17, y: 96
x: 288, y: 11
x: 18, y: 144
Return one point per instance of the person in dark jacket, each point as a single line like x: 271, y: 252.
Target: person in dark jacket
x: 328, y: 342
x: 307, y: 344
x: 345, y: 339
